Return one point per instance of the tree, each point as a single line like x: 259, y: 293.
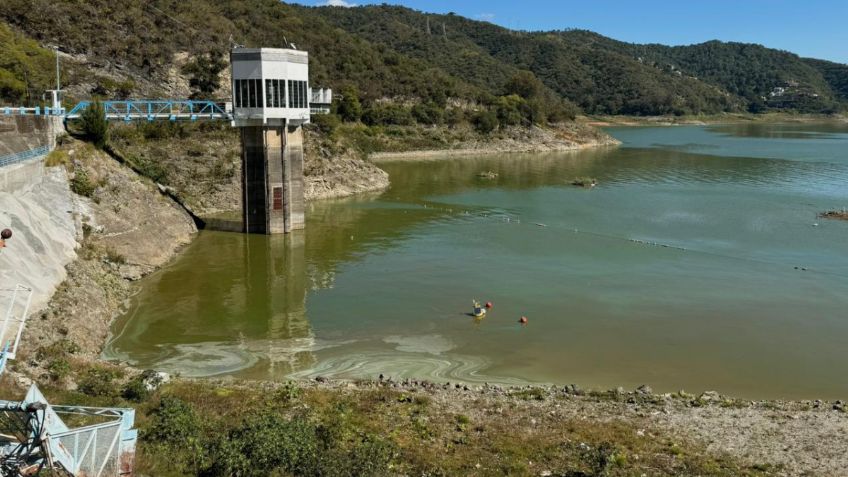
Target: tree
x: 205, y: 72
x: 524, y: 84
x: 485, y: 121
x: 349, y: 107
x: 94, y: 125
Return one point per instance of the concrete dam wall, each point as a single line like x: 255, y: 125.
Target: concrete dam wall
x: 37, y: 205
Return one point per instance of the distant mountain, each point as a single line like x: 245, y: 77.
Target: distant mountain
x: 130, y: 47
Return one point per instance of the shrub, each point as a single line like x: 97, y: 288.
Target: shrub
x: 485, y: 121
x: 369, y: 457
x: 428, y: 113
x: 348, y: 107
x: 266, y: 442
x: 81, y: 184
x: 56, y: 158
x: 94, y: 125
x: 151, y: 169
x: 387, y: 114
x: 135, y: 390
x: 115, y: 257
x: 58, y: 369
x: 326, y: 123
x: 174, y: 423
x: 204, y: 74
x: 98, y: 381
x: 454, y: 116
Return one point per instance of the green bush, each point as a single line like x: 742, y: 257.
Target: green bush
x: 81, y: 183
x: 174, y: 423
x: 266, y: 442
x: 99, y: 381
x: 204, y: 73
x: 151, y: 169
x: 326, y: 123
x: 58, y: 369
x: 454, y: 116
x: 348, y: 107
x: 387, y: 114
x: 94, y: 125
x: 428, y: 113
x: 508, y: 110
x: 485, y: 121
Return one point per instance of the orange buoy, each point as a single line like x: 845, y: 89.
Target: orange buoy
x: 523, y: 320
x: 488, y: 304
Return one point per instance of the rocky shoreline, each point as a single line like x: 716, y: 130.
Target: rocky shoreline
x: 558, y: 138
x: 781, y: 438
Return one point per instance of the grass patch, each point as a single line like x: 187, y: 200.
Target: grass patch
x: 56, y: 158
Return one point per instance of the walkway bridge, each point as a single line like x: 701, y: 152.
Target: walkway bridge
x: 138, y: 109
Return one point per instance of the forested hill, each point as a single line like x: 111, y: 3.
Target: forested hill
x: 137, y: 47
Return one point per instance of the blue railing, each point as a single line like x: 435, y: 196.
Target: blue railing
x: 129, y: 110
x: 155, y: 109
x: 36, y: 111
x: 9, y: 159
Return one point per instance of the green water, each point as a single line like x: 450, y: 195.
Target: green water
x: 678, y: 270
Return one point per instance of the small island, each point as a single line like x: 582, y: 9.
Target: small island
x: 584, y: 182
x: 835, y: 214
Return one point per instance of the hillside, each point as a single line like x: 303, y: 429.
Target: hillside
x: 135, y: 48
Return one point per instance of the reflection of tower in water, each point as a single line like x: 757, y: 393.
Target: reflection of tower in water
x: 276, y: 278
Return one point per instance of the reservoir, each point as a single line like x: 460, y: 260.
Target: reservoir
x: 698, y: 262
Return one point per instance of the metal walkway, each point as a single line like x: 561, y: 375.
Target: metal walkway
x: 138, y: 109
x: 157, y: 109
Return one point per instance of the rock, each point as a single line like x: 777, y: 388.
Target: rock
x: 152, y: 380
x: 130, y: 272
x: 710, y: 396
x: 644, y: 389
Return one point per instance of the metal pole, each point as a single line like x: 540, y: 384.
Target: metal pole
x: 58, y: 84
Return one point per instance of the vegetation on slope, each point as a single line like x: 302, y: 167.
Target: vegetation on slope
x: 384, y: 428
x: 26, y: 69
x: 398, y: 53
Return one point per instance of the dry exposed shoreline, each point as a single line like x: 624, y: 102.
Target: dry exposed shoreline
x: 559, y: 138
x: 727, y: 118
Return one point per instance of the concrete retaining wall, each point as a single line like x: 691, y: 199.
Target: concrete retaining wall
x: 24, y: 141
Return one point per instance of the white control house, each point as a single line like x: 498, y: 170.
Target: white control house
x: 271, y: 101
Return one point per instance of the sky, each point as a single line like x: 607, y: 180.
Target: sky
x: 812, y: 28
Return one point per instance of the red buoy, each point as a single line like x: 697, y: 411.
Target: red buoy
x: 488, y: 304
x: 523, y: 320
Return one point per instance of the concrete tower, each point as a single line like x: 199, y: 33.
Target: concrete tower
x: 270, y: 105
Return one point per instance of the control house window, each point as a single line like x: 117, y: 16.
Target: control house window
x: 297, y: 94
x: 275, y: 93
x: 248, y: 93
